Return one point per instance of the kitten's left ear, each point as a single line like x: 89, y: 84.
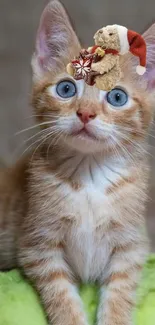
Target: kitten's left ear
x: 149, y: 76
x: 56, y: 42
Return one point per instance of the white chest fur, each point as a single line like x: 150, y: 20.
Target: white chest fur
x: 94, y: 176
x: 89, y: 208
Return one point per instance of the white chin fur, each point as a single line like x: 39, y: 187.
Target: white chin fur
x: 83, y: 145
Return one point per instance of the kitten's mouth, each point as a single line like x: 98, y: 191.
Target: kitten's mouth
x: 84, y: 133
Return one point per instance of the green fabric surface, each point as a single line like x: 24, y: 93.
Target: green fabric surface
x: 20, y: 305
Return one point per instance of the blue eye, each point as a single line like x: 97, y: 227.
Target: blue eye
x: 117, y: 97
x: 66, y: 89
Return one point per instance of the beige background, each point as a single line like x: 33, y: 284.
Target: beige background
x: 18, y: 24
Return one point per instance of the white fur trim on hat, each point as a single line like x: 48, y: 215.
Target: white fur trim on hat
x: 123, y: 37
x: 140, y: 70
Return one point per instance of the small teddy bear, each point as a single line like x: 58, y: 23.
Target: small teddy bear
x: 100, y: 64
x: 107, y: 39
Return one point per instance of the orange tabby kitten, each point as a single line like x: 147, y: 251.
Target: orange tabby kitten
x: 74, y: 211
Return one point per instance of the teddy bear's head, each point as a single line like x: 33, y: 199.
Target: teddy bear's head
x: 108, y: 38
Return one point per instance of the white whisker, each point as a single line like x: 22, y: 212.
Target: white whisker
x: 45, y: 138
x: 32, y: 144
x: 34, y: 126
x: 133, y: 143
x: 51, y: 143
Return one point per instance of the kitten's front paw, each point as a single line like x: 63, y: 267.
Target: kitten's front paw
x: 115, y: 322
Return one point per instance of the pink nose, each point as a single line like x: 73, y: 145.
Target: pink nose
x: 85, y: 116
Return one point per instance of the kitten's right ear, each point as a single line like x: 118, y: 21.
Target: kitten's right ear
x: 56, y: 42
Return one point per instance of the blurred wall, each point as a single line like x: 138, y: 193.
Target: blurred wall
x: 18, y: 23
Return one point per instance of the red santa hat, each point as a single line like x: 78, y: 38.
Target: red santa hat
x: 135, y: 43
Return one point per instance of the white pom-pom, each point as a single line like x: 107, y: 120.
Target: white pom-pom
x: 140, y: 70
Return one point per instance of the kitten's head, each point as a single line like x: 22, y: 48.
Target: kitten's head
x: 80, y: 116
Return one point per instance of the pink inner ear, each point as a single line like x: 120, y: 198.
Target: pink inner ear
x: 42, y: 42
x: 151, y: 78
x: 55, y: 41
x: 45, y: 37
x: 150, y: 66
x: 42, y: 47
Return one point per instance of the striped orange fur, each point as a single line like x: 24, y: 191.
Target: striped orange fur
x: 73, y: 210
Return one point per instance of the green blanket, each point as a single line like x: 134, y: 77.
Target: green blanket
x: 19, y: 303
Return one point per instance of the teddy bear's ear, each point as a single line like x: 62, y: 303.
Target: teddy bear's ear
x: 149, y: 37
x: 56, y: 42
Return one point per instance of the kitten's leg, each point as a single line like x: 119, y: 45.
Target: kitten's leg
x: 118, y: 295
x: 51, y: 275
